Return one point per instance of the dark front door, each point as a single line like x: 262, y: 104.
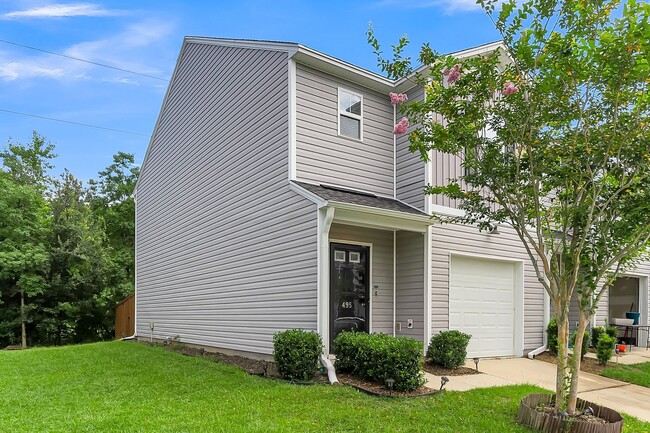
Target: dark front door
x: 349, y: 283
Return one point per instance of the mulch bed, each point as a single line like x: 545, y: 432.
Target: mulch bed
x: 374, y: 388
x: 589, y: 365
x: 268, y: 369
x: 438, y: 370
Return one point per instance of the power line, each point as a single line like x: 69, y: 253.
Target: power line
x: 72, y: 123
x: 83, y: 60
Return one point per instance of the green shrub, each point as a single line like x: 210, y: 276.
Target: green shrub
x: 448, y: 348
x: 604, y: 348
x: 551, y: 331
x: 585, y: 343
x: 296, y: 353
x: 612, y: 331
x: 379, y: 357
x: 596, y: 332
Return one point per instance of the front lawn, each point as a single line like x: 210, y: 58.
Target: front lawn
x: 130, y: 387
x: 638, y: 374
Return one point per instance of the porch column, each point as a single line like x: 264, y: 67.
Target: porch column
x: 325, y: 218
x: 427, y: 286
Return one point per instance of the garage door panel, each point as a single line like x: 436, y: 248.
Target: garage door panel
x: 481, y: 303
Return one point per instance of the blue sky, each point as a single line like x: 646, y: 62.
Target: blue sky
x: 145, y: 36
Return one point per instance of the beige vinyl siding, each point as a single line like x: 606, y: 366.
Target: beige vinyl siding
x: 322, y: 156
x: 410, y: 168
x: 410, y: 283
x: 381, y: 271
x: 226, y: 252
x: 468, y: 240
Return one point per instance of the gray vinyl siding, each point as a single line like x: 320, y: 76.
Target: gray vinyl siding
x: 226, y: 252
x: 410, y: 168
x: 322, y: 156
x: 444, y: 167
x: 410, y: 283
x: 468, y: 240
x: 381, y: 271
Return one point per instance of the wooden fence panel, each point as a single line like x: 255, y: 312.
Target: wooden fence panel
x: 125, y: 318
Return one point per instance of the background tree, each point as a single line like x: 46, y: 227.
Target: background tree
x: 552, y: 131
x: 114, y: 201
x: 66, y: 250
x: 73, y: 309
x: 24, y: 218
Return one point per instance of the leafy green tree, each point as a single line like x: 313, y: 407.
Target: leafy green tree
x: 552, y: 131
x: 113, y: 200
x: 24, y: 218
x: 73, y: 310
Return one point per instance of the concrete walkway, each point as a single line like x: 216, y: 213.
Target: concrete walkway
x: 631, y: 399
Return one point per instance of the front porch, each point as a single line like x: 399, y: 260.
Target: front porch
x: 374, y: 264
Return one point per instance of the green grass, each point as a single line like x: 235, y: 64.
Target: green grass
x: 638, y: 374
x: 129, y: 387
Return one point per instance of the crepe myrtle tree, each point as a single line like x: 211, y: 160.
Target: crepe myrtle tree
x: 552, y: 132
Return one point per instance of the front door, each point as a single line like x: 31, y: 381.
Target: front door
x: 349, y: 283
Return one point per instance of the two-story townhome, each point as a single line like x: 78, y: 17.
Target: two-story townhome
x: 274, y: 195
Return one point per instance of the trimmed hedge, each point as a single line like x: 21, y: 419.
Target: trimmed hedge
x: 296, y: 353
x: 596, y: 332
x: 379, y: 357
x: 448, y: 348
x: 604, y: 348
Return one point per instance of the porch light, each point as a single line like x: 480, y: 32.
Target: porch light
x: 476, y: 360
x: 443, y: 382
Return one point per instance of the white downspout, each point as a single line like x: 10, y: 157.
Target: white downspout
x: 331, y: 373
x: 394, y: 281
x: 547, y: 318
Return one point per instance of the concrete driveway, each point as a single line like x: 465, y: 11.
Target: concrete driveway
x: 631, y: 399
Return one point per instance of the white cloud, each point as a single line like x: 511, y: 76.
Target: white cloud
x: 62, y: 10
x: 137, y: 47
x: 10, y: 71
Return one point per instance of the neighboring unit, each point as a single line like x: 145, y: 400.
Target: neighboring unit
x: 274, y: 195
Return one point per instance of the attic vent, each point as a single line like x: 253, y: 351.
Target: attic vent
x: 350, y: 191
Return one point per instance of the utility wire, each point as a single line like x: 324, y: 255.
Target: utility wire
x: 72, y: 123
x: 83, y: 60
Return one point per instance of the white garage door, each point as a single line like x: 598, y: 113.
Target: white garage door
x: 481, y: 303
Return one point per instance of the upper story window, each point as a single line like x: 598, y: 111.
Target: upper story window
x: 350, y: 114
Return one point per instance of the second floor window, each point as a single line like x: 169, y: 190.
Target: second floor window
x: 350, y: 114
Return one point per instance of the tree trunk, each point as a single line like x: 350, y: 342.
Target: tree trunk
x: 576, y: 361
x: 563, y: 368
x: 563, y: 372
x: 23, y: 330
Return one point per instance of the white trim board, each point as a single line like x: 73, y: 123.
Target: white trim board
x: 292, y: 118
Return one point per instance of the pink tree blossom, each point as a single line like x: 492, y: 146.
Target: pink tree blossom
x: 397, y: 98
x: 401, y: 127
x: 452, y: 74
x: 509, y: 88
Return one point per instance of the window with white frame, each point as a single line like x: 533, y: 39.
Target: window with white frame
x: 350, y: 114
